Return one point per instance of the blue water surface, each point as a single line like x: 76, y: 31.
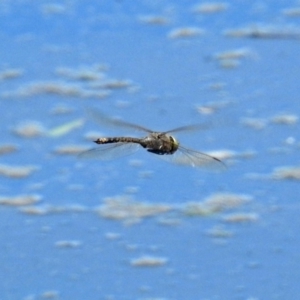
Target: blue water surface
x: 69, y: 250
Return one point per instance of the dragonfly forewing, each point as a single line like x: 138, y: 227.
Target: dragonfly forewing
x: 104, y: 120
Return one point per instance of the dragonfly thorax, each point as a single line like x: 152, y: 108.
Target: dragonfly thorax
x: 160, y: 143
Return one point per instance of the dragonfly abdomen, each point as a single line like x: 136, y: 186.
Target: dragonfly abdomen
x: 110, y: 140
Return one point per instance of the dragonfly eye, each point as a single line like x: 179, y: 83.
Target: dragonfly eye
x: 174, y: 143
x: 173, y: 140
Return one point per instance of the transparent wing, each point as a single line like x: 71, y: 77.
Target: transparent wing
x: 102, y: 119
x: 110, y: 151
x: 189, y: 157
x: 188, y: 128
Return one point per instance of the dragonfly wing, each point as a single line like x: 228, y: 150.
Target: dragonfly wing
x: 189, y: 157
x: 102, y: 119
x: 110, y: 151
x: 188, y: 128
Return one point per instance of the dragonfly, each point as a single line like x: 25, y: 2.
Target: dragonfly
x: 161, y: 143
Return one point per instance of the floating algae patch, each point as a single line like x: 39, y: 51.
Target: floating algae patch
x: 112, y: 84
x: 11, y: 74
x: 70, y: 150
x: 68, y: 244
x: 289, y: 173
x: 61, y: 109
x: 17, y: 171
x: 154, y: 20
x: 286, y: 119
x: 6, y: 149
x: 292, y: 12
x: 219, y: 232
x: 263, y: 32
x: 50, y: 294
x: 230, y: 156
x: 229, y: 63
x: 148, y: 261
x: 83, y: 73
x: 254, y: 123
x: 186, y: 32
x: 212, y: 106
x: 239, y: 53
x: 65, y: 128
x: 34, y: 210
x: 52, y: 209
x: 53, y: 9
x: 29, y: 129
x: 58, y: 88
x: 21, y: 200
x: 223, y: 154
x: 240, y: 218
x: 232, y: 58
x: 210, y: 7
x: 126, y: 209
x: 216, y: 203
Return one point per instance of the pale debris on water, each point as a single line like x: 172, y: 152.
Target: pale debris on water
x: 17, y: 171
x: 230, y: 155
x: 210, y: 7
x: 29, y: 129
x: 292, y: 12
x: 137, y: 163
x: 51, y: 294
x: 68, y: 244
x: 127, y: 209
x: 241, y: 218
x: 47, y: 87
x: 148, y: 261
x: 64, y: 89
x: 254, y: 123
x: 146, y: 174
x: 61, y: 109
x: 70, y: 150
x: 232, y: 58
x: 52, y: 209
x: 83, y: 73
x: 53, y: 9
x: 286, y: 119
x: 112, y: 236
x: 290, y: 141
x: 6, y: 149
x: 223, y: 154
x: 212, y: 107
x: 229, y: 63
x: 219, y: 232
x: 185, y: 32
x: 115, y: 84
x: 288, y: 172
x: 169, y: 221
x: 234, y: 54
x: 21, y: 200
x: 263, y: 32
x: 216, y: 203
x: 10, y: 74
x: 154, y: 20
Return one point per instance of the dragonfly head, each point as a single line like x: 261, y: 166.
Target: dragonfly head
x: 174, y: 144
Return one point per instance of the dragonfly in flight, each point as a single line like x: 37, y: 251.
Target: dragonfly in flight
x: 160, y: 143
